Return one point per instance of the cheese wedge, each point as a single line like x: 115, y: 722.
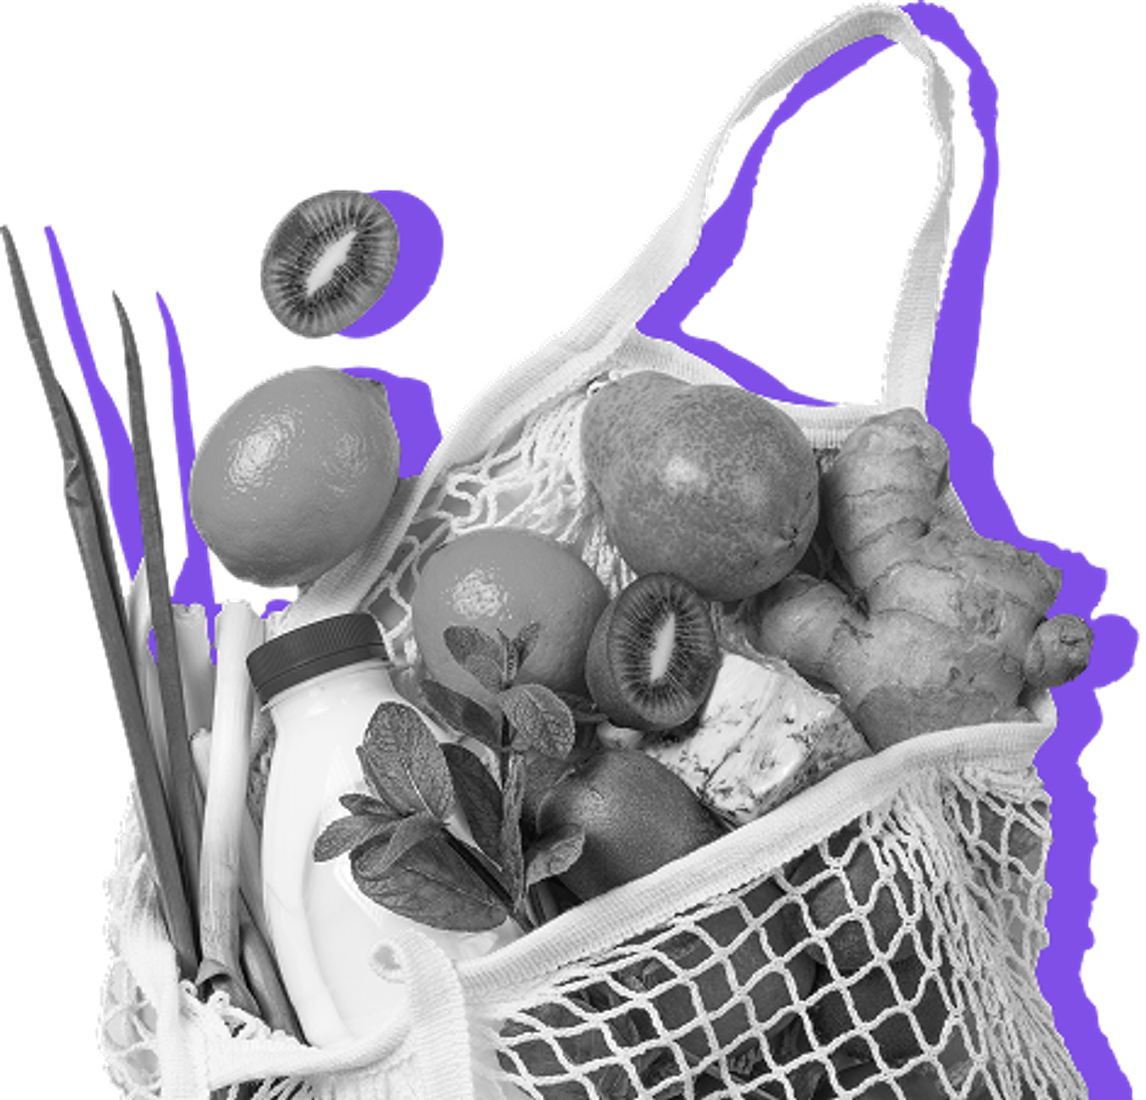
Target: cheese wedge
x: 763, y: 735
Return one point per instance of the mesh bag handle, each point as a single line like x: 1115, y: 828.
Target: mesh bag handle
x: 605, y: 336
x: 610, y: 325
x: 908, y: 354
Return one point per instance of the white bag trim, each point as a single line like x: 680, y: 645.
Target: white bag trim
x: 197, y: 1055
x: 749, y: 851
x: 574, y: 357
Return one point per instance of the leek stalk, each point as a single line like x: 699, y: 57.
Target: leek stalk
x: 238, y: 630
x: 193, y: 644
x: 139, y: 630
x: 250, y: 855
x: 260, y: 967
x: 264, y: 979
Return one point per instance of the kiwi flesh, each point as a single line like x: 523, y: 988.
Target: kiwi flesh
x: 328, y: 261
x: 653, y: 656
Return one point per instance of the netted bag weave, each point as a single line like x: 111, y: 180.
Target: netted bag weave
x: 724, y: 974
x: 924, y: 964
x: 925, y: 967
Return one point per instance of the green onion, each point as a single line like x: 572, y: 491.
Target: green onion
x: 183, y: 795
x: 89, y: 524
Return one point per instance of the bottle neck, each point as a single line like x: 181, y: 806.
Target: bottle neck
x: 337, y: 679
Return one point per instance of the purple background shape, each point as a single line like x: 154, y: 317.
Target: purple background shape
x: 541, y: 215
x: 420, y: 244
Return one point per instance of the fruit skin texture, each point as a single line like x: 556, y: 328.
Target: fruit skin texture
x: 506, y: 578
x: 295, y: 475
x: 682, y: 690
x: 710, y: 482
x: 542, y: 771
x: 636, y: 814
x: 347, y: 243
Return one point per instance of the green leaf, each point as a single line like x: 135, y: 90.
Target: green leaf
x: 377, y: 859
x: 344, y: 834
x: 517, y: 649
x: 509, y: 849
x: 367, y: 805
x: 403, y: 762
x: 464, y: 714
x: 524, y: 642
x: 479, y: 653
x: 479, y: 796
x: 554, y: 853
x: 539, y: 719
x: 582, y: 707
x: 510, y: 662
x: 432, y: 884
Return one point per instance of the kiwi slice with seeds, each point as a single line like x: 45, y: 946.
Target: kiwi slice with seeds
x: 653, y: 656
x: 328, y: 261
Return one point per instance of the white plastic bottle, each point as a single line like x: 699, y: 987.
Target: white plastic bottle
x: 322, y: 683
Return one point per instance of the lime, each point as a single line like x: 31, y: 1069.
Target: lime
x: 295, y: 475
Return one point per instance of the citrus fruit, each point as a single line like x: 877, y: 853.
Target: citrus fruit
x: 295, y: 475
x: 505, y: 579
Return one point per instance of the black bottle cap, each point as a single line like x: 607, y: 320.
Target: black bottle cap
x: 311, y: 650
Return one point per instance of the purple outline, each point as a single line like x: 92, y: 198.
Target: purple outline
x: 420, y: 245
x: 948, y: 407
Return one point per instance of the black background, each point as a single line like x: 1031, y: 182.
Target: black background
x: 548, y: 169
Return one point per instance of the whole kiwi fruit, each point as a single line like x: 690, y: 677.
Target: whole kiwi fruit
x: 328, y: 261
x: 637, y: 816
x: 653, y: 655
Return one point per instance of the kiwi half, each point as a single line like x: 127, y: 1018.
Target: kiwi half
x: 653, y: 656
x: 328, y: 261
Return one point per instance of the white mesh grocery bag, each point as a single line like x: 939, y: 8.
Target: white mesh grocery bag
x: 723, y: 974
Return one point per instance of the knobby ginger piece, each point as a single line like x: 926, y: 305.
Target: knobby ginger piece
x: 764, y: 735
x: 940, y: 627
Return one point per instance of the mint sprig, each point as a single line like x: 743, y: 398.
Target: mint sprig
x: 407, y: 848
x: 521, y: 716
x: 538, y: 720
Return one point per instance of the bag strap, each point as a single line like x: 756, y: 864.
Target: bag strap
x: 571, y: 356
x: 668, y: 249
x: 576, y: 355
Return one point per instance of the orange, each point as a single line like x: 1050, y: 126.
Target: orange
x: 295, y: 475
x: 506, y: 578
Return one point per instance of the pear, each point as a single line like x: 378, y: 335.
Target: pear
x: 710, y: 482
x: 636, y: 814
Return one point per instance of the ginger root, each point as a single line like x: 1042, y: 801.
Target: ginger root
x: 938, y: 627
